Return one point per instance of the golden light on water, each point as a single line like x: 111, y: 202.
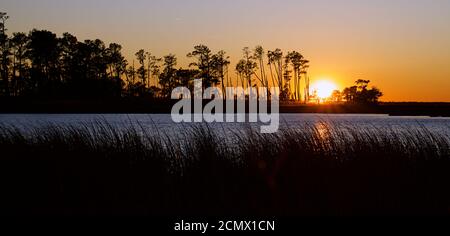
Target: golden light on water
x: 324, y: 88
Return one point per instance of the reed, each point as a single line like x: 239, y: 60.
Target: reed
x: 315, y: 169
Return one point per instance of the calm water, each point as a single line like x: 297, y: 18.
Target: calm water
x: 162, y: 123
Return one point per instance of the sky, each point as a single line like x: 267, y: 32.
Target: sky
x: 402, y: 46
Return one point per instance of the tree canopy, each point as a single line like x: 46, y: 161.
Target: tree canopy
x: 360, y: 93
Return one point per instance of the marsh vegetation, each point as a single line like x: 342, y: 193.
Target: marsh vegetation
x: 320, y: 169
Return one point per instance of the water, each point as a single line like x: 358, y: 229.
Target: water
x: 163, y: 124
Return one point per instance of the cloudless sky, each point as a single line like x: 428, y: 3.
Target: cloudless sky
x: 403, y: 46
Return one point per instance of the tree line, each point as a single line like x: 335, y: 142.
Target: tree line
x: 41, y: 64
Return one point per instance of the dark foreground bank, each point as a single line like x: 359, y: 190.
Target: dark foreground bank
x: 310, y: 171
x: 139, y: 106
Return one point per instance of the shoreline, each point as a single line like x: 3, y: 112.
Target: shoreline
x: 150, y: 106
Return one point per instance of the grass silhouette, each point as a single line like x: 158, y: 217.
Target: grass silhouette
x: 317, y: 169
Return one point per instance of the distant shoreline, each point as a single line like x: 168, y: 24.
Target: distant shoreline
x: 151, y: 106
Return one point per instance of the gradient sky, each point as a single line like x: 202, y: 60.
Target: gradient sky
x: 403, y: 46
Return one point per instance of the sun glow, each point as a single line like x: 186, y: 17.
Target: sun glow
x: 324, y: 88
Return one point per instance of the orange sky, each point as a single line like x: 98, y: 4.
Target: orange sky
x: 402, y: 46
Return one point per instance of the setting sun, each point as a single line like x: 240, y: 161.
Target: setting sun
x: 324, y: 88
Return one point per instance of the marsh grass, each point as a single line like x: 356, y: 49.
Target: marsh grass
x: 315, y: 169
